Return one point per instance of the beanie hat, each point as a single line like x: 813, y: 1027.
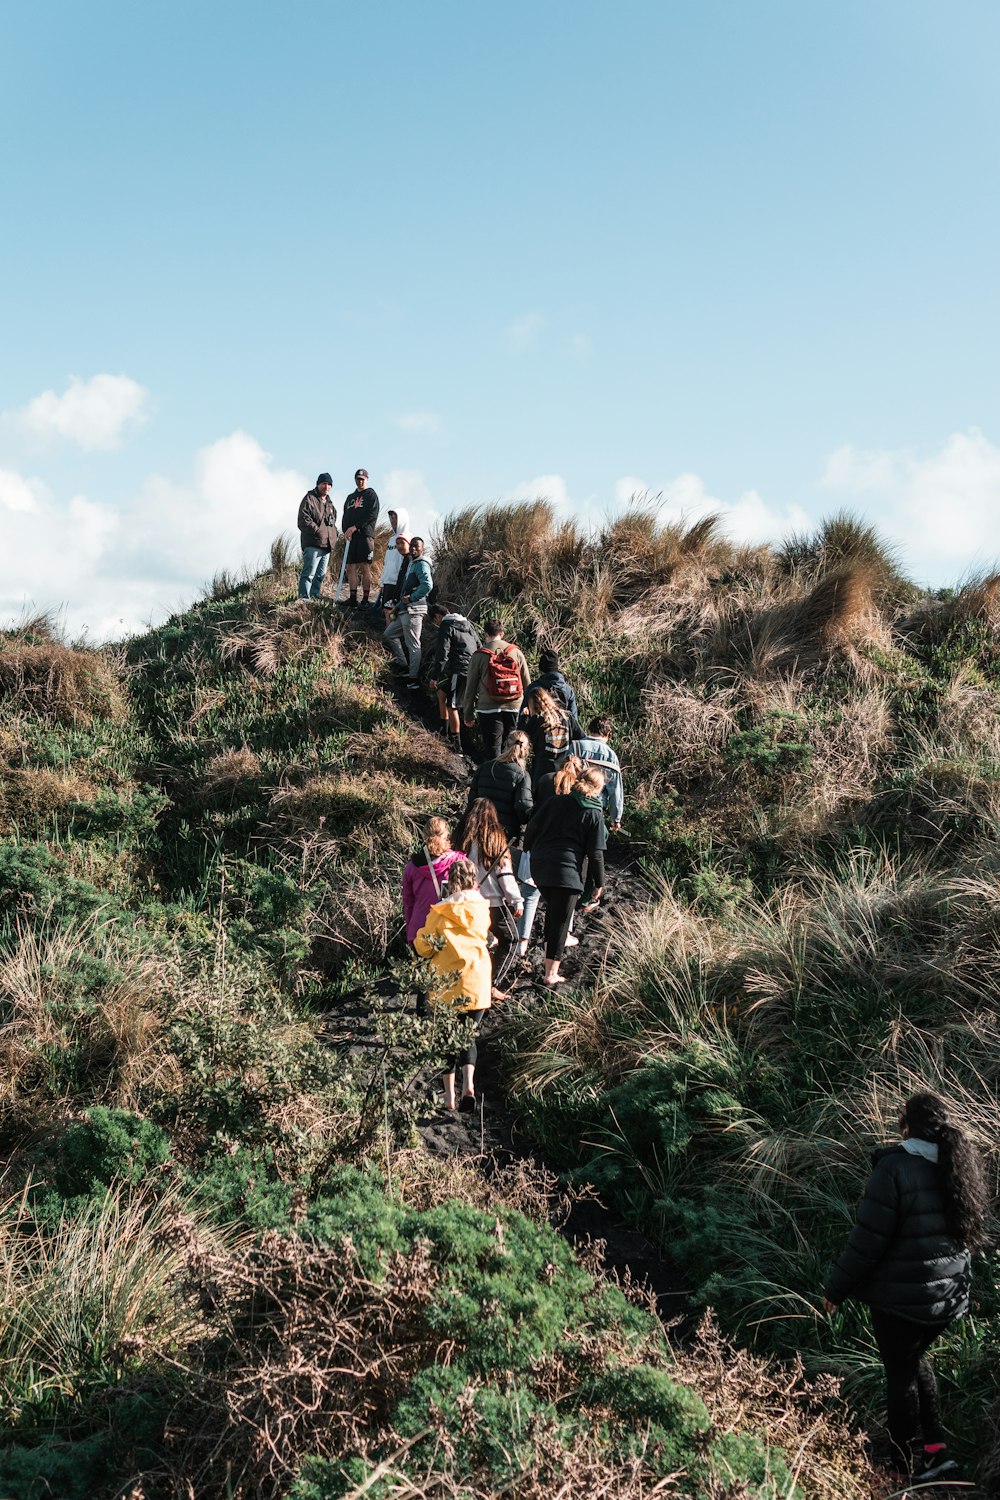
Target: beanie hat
x: 324, y: 479
x: 548, y: 661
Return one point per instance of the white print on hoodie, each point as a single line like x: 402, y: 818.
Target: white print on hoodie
x: 393, y: 561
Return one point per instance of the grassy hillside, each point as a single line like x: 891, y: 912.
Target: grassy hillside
x: 228, y: 1268
x: 813, y: 764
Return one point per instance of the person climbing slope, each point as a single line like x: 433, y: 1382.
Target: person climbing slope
x: 411, y: 612
x: 454, y: 941
x: 457, y: 640
x: 550, y: 727
x: 552, y: 680
x: 594, y: 750
x: 486, y: 844
x: 494, y: 689
x: 424, y: 877
x: 908, y: 1257
x: 565, y: 836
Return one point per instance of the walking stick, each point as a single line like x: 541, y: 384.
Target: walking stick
x: 343, y: 570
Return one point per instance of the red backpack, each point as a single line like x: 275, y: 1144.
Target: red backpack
x: 503, y: 675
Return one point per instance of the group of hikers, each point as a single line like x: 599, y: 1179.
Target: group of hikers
x: 534, y: 830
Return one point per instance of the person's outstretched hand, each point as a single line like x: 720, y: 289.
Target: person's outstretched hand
x: 830, y: 1307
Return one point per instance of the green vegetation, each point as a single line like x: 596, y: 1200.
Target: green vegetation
x: 227, y: 1269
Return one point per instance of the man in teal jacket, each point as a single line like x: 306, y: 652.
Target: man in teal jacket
x: 403, y: 635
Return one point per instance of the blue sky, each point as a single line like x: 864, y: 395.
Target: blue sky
x: 740, y: 252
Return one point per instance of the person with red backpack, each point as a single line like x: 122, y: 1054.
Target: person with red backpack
x: 494, y: 688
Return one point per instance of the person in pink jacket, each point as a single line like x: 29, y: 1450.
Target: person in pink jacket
x: 424, y: 879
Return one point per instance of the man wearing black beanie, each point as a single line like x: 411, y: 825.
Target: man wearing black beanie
x: 318, y: 531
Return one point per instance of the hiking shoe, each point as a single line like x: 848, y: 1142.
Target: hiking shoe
x: 571, y: 941
x: 935, y: 1466
x: 414, y: 687
x: 467, y: 1104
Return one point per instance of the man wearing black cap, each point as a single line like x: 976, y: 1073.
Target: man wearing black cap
x: 318, y: 530
x: 360, y: 515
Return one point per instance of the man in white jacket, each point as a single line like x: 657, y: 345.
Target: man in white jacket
x: 399, y: 520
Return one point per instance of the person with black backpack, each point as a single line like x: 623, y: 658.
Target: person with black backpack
x: 495, y: 687
x: 457, y: 640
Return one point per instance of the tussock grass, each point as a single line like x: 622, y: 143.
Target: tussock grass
x: 68, y: 684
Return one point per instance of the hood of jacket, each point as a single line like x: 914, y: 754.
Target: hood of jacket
x: 468, y: 911
x: 402, y: 524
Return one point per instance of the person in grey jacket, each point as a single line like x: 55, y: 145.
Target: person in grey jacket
x: 908, y: 1257
x: 317, y: 523
x: 411, y: 612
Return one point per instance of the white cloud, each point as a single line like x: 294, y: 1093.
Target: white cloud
x: 944, y: 510
x: 522, y: 334
x: 115, y: 568
x: 93, y: 413
x: 18, y: 493
x: 406, y: 489
x: 747, y: 519
x: 551, y: 487
x: 426, y: 423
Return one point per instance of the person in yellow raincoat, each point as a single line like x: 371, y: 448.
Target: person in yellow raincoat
x: 454, y: 940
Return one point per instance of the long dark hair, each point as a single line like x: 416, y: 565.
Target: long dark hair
x: 962, y: 1176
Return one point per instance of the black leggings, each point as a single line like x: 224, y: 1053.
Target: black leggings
x: 503, y: 925
x: 559, y: 907
x: 467, y: 1054
x: 911, y: 1393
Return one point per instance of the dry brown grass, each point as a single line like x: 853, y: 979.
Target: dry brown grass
x: 285, y: 634
x: 57, y: 1051
x: 68, y: 684
x: 368, y: 813
x: 30, y: 793
x: 230, y: 772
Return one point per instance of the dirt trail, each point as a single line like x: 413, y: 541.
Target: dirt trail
x: 490, y: 1137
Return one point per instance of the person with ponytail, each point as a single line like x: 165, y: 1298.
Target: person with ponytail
x: 909, y: 1259
x: 486, y: 844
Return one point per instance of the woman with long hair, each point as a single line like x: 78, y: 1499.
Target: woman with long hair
x: 549, y: 727
x: 565, y: 837
x: 424, y: 877
x: 486, y: 844
x: 909, y: 1259
x: 505, y: 782
x: 453, y: 940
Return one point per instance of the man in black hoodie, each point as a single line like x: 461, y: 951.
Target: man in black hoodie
x: 553, y: 681
x: 360, y: 516
x: 317, y: 522
x: 457, y: 639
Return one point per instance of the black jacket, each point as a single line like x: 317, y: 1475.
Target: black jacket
x: 361, y: 510
x: 317, y: 521
x: 456, y: 640
x: 508, y: 787
x: 562, y: 834
x: 900, y: 1257
x: 548, y: 746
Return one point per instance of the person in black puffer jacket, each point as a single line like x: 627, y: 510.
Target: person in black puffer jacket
x: 505, y: 783
x: 457, y: 641
x: 908, y: 1257
x: 565, y: 838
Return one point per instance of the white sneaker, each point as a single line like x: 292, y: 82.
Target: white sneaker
x: 571, y: 941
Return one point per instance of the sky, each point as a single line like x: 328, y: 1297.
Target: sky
x: 738, y: 254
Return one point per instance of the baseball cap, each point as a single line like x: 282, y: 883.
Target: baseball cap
x: 361, y: 473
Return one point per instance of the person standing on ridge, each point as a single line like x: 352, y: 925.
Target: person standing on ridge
x: 908, y: 1257
x: 411, y: 612
x: 495, y: 688
x: 317, y: 523
x: 399, y: 520
x: 457, y: 639
x: 360, y: 516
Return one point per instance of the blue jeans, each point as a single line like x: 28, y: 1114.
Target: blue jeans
x: 314, y: 561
